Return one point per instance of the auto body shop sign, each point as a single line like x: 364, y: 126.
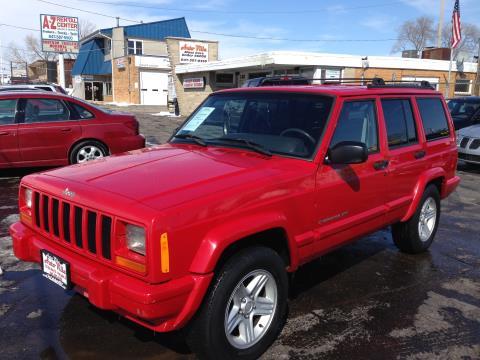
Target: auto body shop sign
x: 59, y: 33
x: 193, y: 52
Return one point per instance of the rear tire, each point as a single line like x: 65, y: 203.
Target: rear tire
x: 416, y: 235
x: 87, y: 150
x: 245, y: 308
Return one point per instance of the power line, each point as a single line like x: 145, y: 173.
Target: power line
x: 251, y: 37
x: 246, y: 12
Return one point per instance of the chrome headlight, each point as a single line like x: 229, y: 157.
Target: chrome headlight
x: 135, y: 236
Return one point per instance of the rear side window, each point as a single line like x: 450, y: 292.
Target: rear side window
x: 7, y: 111
x: 434, y: 119
x: 357, y: 122
x: 81, y: 111
x: 399, y: 122
x: 45, y: 110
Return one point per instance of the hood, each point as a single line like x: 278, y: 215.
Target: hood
x: 470, y: 131
x: 168, y: 175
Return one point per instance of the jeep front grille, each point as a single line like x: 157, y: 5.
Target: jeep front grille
x: 84, y: 230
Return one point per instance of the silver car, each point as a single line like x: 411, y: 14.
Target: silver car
x: 468, y: 144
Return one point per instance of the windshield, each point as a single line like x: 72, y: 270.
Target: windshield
x: 462, y: 107
x: 280, y: 123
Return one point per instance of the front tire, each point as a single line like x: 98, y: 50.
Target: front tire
x: 416, y: 235
x: 245, y: 309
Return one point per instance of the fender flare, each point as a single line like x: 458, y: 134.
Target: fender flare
x: 221, y: 237
x: 424, y: 179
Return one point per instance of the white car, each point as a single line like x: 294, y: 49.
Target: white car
x: 26, y: 87
x: 468, y: 144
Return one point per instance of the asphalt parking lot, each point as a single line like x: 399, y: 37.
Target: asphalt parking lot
x: 366, y: 300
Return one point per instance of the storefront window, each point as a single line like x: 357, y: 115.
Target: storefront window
x: 224, y: 79
x: 108, y: 88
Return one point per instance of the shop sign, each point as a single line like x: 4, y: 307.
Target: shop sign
x: 152, y: 62
x: 194, y: 83
x: 19, y: 69
x: 333, y: 73
x: 59, y: 34
x: 120, y: 62
x: 193, y: 52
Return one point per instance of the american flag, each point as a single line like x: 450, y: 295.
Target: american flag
x: 456, y: 28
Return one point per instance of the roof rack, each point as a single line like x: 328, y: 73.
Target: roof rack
x: 376, y: 83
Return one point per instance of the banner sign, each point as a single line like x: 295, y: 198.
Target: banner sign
x: 193, y: 52
x: 18, y: 69
x: 59, y: 34
x: 193, y: 83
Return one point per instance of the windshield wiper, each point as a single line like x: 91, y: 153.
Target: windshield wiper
x: 199, y: 140
x: 249, y: 144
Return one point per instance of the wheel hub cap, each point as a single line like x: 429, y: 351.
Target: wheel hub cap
x: 250, y: 309
x: 427, y: 219
x: 88, y: 153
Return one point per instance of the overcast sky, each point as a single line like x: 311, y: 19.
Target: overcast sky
x: 313, y: 19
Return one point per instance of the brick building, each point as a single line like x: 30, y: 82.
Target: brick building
x: 133, y: 64
x: 234, y: 72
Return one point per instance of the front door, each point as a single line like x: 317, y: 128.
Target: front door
x: 350, y: 199
x: 153, y: 88
x: 8, y: 133
x: 88, y: 90
x: 47, y: 132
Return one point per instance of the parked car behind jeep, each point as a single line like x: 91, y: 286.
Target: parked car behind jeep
x: 201, y: 233
x: 38, y: 128
x: 465, y: 111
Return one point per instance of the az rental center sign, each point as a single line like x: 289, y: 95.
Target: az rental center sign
x: 59, y: 33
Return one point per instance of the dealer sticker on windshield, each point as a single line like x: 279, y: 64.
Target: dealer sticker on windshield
x: 56, y: 269
x: 198, y: 118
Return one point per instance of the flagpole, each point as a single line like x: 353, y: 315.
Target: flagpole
x: 447, y: 92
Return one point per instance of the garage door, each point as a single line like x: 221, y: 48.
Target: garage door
x: 153, y: 88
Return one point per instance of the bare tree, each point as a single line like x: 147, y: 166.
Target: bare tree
x: 415, y: 34
x: 85, y: 28
x: 470, y: 40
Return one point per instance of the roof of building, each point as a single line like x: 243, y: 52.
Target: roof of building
x: 293, y: 58
x: 90, y: 59
x: 157, y: 30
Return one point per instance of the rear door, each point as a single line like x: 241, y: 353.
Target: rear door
x: 47, y: 133
x: 8, y: 133
x: 351, y: 198
x: 406, y: 153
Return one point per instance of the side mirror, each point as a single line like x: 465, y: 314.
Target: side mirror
x: 347, y: 152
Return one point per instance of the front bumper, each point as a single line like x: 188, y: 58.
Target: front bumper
x: 160, y: 307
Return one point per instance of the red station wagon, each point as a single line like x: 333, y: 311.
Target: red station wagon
x: 201, y: 233
x: 49, y: 129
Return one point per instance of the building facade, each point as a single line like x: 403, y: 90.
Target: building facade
x: 234, y: 72
x: 133, y: 64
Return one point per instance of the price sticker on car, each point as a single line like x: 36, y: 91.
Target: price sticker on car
x: 198, y: 118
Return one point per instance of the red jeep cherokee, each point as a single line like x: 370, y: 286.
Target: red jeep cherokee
x: 47, y: 129
x: 205, y: 229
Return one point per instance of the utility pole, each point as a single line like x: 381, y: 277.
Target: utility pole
x: 476, y: 88
x: 61, y: 70
x: 118, y: 21
x: 440, y: 23
x: 1, y: 63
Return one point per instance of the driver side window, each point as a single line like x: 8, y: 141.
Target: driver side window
x: 357, y: 122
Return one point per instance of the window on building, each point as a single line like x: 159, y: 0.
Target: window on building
x: 399, y: 122
x: 7, y: 111
x: 108, y: 88
x: 107, y: 45
x: 224, y: 79
x: 357, y: 122
x: 463, y: 86
x: 434, y: 119
x: 45, y: 110
x: 135, y: 47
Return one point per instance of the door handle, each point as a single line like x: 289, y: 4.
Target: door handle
x: 420, y: 154
x: 380, y: 165
x: 3, y: 132
x: 66, y: 129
